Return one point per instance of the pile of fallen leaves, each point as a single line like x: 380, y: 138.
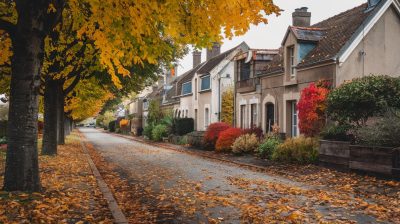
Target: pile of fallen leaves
x: 69, y: 194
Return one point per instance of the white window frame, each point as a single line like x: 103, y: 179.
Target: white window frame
x: 291, y: 58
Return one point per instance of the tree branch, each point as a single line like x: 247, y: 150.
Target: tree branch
x: 72, y: 85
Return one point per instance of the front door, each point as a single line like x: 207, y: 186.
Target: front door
x: 270, y: 116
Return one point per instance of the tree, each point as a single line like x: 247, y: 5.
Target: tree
x: 312, y: 108
x: 125, y: 33
x: 227, y: 106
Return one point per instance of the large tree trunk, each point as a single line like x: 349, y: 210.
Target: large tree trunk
x: 22, y: 170
x: 61, y: 114
x: 50, y: 118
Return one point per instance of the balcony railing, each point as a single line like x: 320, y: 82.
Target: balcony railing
x: 247, y: 85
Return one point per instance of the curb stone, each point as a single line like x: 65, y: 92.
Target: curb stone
x: 116, y: 212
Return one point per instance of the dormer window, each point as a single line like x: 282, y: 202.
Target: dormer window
x: 291, y: 61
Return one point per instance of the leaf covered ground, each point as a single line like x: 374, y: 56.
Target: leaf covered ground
x: 69, y: 195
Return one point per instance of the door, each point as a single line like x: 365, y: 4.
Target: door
x: 242, y: 116
x: 269, y: 116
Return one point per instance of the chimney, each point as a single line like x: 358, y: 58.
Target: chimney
x: 196, y: 58
x: 373, y: 3
x: 301, y: 17
x: 214, y: 51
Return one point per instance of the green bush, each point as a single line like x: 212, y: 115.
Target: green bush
x: 298, y: 150
x: 159, y: 131
x: 183, y: 140
x: 148, y: 131
x: 183, y: 126
x: 362, y: 98
x: 112, y: 126
x: 268, y: 147
x: 337, y: 132
x: 245, y: 144
x: 385, y: 131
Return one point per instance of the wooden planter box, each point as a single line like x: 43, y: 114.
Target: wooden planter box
x: 379, y: 160
x: 370, y: 159
x: 334, y: 154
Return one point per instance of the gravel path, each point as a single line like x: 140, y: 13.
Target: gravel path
x: 207, y: 191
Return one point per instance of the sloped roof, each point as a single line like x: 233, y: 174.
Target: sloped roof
x: 330, y: 35
x: 187, y: 76
x: 339, y: 30
x: 211, y: 63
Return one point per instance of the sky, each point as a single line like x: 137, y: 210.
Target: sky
x: 271, y: 35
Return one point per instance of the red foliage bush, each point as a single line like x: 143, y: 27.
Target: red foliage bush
x: 213, y: 131
x: 226, y: 139
x: 311, y: 108
x: 40, y: 127
x: 254, y: 130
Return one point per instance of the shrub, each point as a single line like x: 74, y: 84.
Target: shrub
x: 254, y: 130
x: 148, y: 131
x: 383, y: 132
x: 268, y: 147
x: 226, y: 139
x: 183, y: 140
x: 213, y: 131
x: 362, y: 98
x: 337, y: 132
x: 298, y: 150
x: 159, y: 131
x: 112, y: 126
x: 183, y: 126
x: 245, y: 143
x: 227, y: 106
x: 123, y: 123
x: 40, y: 127
x: 312, y: 107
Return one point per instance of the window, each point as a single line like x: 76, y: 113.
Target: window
x: 253, y: 121
x: 195, y: 89
x: 242, y: 116
x: 205, y: 83
x: 244, y: 70
x: 293, y: 113
x: 291, y: 61
x: 186, y: 88
x: 187, y: 113
x: 195, y: 119
x: 206, y: 117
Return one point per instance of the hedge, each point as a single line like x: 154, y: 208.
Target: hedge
x: 183, y: 126
x: 111, y: 126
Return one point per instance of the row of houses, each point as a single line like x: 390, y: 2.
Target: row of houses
x: 267, y: 82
